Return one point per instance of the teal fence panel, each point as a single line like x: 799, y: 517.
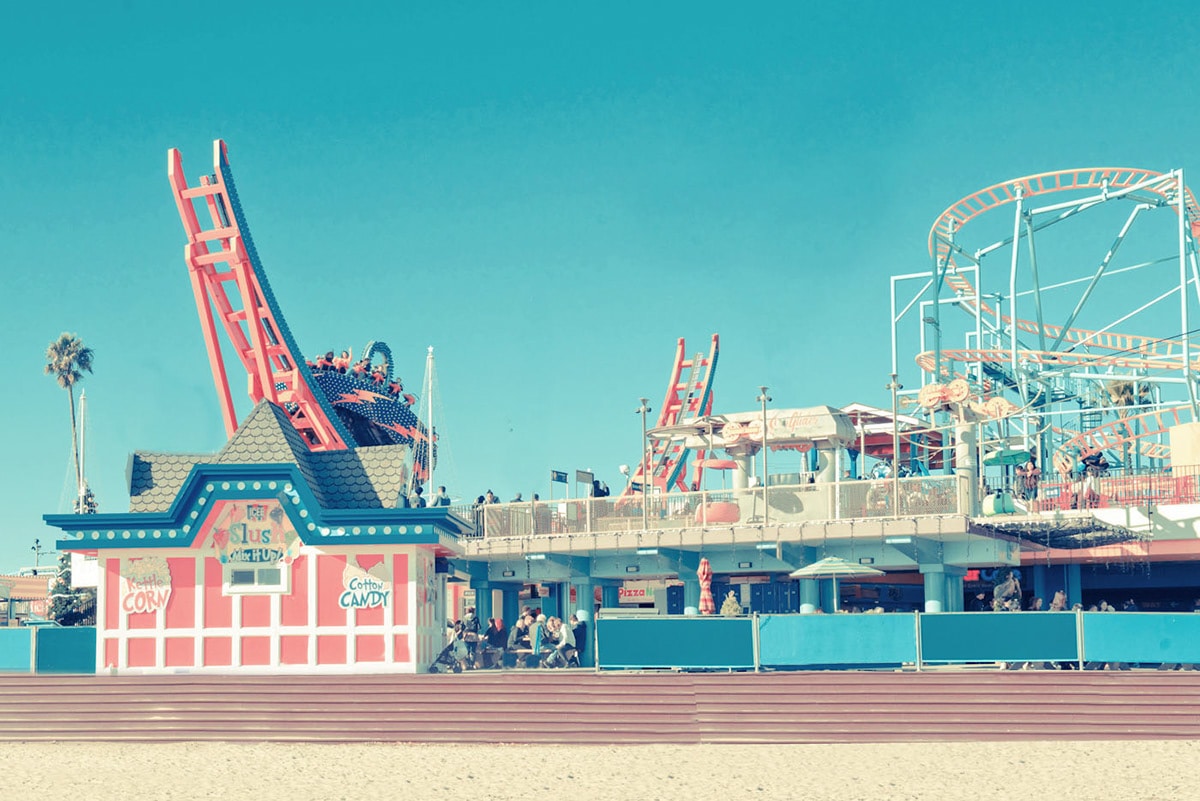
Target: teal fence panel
x: 687, y: 643
x: 805, y: 640
x: 1141, y: 637
x: 66, y: 650
x: 16, y: 650
x: 999, y: 637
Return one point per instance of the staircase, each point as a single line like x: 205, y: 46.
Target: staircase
x: 588, y: 708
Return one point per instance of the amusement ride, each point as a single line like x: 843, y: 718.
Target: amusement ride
x: 333, y: 402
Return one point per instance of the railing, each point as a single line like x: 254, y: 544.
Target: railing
x: 892, y: 640
x: 1114, y: 489
x: 796, y: 503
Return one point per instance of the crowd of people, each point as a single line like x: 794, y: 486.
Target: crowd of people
x: 362, y: 369
x: 535, y: 640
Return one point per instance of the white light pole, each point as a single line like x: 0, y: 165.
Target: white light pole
x: 643, y: 409
x: 764, y: 399
x: 894, y: 386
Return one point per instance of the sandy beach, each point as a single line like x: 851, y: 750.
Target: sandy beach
x: 267, y: 772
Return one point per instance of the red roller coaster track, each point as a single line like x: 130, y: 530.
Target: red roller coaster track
x: 687, y: 398
x: 232, y: 294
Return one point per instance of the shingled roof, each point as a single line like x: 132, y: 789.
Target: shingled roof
x: 358, y: 478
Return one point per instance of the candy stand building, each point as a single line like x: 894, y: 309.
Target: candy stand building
x: 267, y: 557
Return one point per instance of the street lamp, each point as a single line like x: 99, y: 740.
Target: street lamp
x: 642, y: 410
x: 764, y: 399
x: 894, y: 386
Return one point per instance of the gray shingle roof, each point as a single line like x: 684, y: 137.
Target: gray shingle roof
x: 359, y: 478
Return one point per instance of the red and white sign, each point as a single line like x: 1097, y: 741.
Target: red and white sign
x: 145, y: 584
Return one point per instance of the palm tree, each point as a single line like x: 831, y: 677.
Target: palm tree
x: 66, y: 359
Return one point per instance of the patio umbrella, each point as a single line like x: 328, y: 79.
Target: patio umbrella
x: 834, y: 568
x: 704, y: 573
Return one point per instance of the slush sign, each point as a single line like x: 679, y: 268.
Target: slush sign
x: 254, y: 533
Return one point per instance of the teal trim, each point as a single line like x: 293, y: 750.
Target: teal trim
x: 66, y: 650
x: 1141, y: 637
x: 689, y: 643
x: 16, y: 650
x: 999, y: 637
x: 806, y: 640
x: 206, y: 484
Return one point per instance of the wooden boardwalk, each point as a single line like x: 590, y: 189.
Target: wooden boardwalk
x: 582, y: 707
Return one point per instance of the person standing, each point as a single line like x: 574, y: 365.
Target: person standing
x: 1028, y: 476
x: 441, y: 499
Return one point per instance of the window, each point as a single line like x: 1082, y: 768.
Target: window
x: 241, y: 579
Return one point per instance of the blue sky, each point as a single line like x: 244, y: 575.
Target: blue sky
x: 549, y: 196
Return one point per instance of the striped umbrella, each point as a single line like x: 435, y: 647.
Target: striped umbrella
x: 704, y: 573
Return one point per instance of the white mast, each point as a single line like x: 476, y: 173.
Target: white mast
x: 80, y: 481
x: 428, y: 392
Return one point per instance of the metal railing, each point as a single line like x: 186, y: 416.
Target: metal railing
x: 795, y: 503
x: 1112, y: 489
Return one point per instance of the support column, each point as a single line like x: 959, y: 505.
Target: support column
x: 552, y: 604
x: 510, y: 603
x: 483, y: 600
x: 691, y: 593
x: 1041, y: 585
x: 810, y: 596
x: 935, y: 587
x: 610, y: 596
x: 954, y: 588
x: 1074, y: 582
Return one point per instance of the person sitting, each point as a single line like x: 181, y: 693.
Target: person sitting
x: 341, y: 363
x: 325, y: 361
x: 564, y: 647
x: 579, y: 633
x: 394, y: 388
x: 361, y: 367
x: 495, y: 640
x: 518, y: 640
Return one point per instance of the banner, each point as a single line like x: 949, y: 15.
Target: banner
x: 558, y: 476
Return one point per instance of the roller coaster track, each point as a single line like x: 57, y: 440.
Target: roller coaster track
x: 1052, y: 359
x: 1113, y: 182
x: 687, y: 398
x: 232, y: 292
x: 1126, y: 430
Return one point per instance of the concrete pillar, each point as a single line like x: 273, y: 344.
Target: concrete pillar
x: 966, y: 467
x: 810, y: 596
x: 829, y: 595
x: 483, y: 600
x: 953, y: 588
x: 1074, y: 584
x: 610, y: 596
x: 1040, y: 584
x: 510, y: 604
x: 743, y: 466
x: 552, y: 603
x: 826, y: 468
x: 691, y: 593
x: 935, y: 587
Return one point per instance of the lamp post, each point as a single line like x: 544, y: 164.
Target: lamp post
x: 764, y: 399
x: 894, y: 386
x: 642, y: 410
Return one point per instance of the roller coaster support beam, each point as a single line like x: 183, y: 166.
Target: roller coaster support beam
x: 1107, y: 260
x: 1185, y: 344
x: 1019, y: 191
